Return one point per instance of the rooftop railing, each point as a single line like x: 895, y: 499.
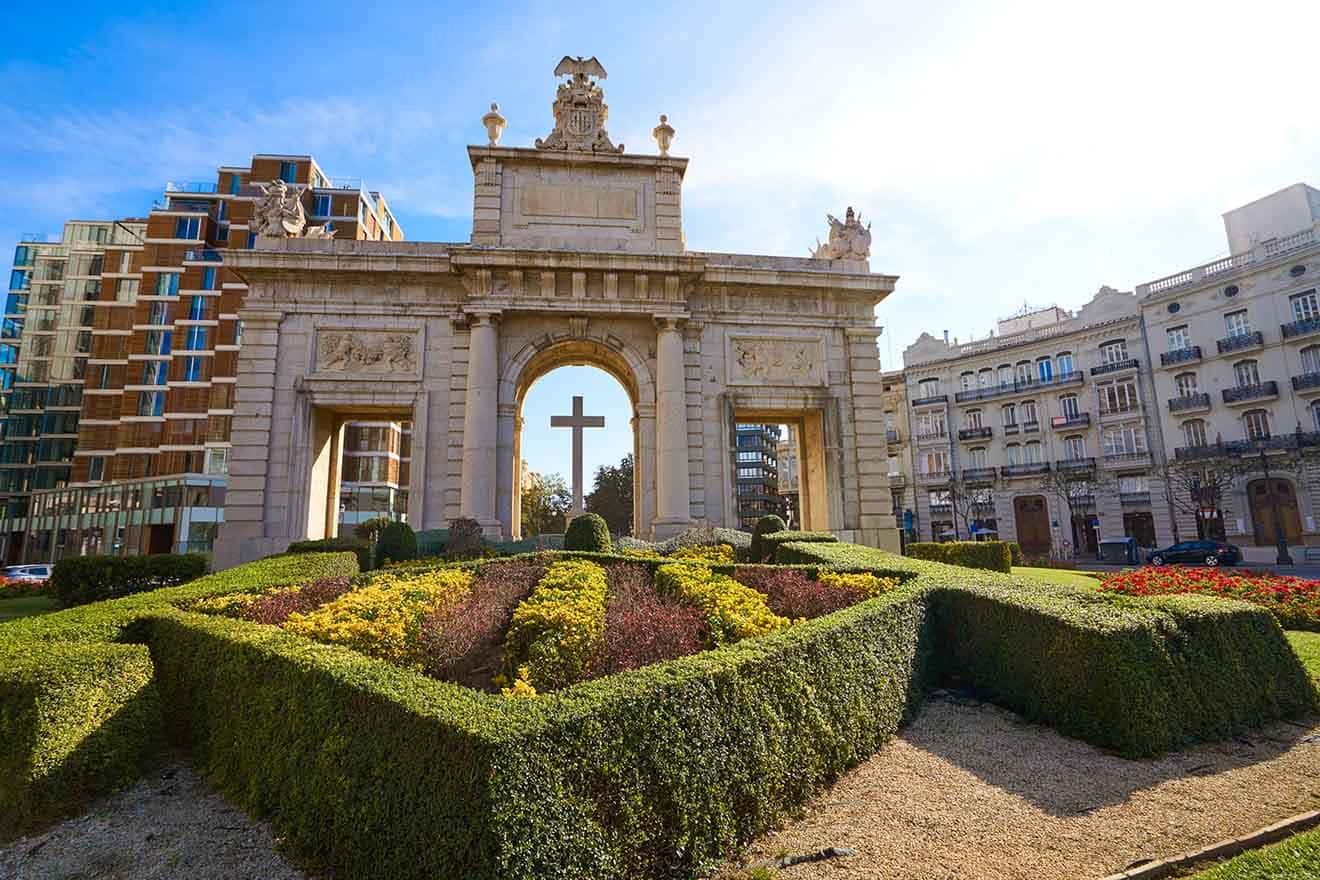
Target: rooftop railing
x: 1266, y: 250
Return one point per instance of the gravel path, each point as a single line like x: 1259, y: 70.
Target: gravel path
x: 973, y: 791
x: 168, y: 825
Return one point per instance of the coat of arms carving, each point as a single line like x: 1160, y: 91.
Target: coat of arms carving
x: 367, y: 353
x: 776, y: 361
x: 580, y: 110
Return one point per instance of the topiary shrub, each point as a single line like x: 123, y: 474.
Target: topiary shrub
x: 1015, y: 553
x: 588, y: 532
x: 369, y: 530
x: 336, y: 545
x: 465, y: 539
x: 766, y: 525
x: 82, y: 579
x: 398, y: 543
x: 989, y: 555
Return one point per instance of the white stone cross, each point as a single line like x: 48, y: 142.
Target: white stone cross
x: 577, y: 421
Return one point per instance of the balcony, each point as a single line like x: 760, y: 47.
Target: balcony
x: 195, y: 186
x: 1012, y: 429
x: 1031, y: 427
x: 1018, y: 386
x: 1127, y: 459
x: 979, y: 475
x: 1239, y: 448
x: 891, y: 435
x: 1134, y: 498
x: 1181, y: 356
x: 1120, y: 414
x: 207, y: 255
x: 941, y: 508
x: 1075, y: 465
x: 1009, y: 471
x: 1307, y: 383
x: 1307, y: 327
x: 933, y: 477
x: 966, y: 434
x: 1190, y: 403
x: 1066, y: 423
x: 1241, y: 342
x: 897, y: 480
x: 933, y: 400
x: 1247, y: 393
x: 933, y: 437
x: 1116, y: 367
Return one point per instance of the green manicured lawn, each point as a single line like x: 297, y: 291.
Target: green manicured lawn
x: 1307, y: 646
x: 26, y: 606
x: 1055, y: 576
x: 1297, y: 858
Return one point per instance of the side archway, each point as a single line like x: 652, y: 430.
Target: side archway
x: 535, y: 360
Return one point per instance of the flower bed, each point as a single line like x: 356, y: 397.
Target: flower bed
x: 1293, y: 600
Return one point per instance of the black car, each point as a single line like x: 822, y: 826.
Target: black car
x: 1197, y: 552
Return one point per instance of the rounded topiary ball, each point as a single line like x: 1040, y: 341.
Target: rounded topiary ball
x: 588, y: 532
x: 766, y: 525
x: 398, y: 542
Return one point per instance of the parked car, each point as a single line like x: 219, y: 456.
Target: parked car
x: 1197, y: 552
x: 37, y: 573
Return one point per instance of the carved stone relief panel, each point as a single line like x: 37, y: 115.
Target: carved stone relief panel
x: 775, y: 360
x: 352, y: 353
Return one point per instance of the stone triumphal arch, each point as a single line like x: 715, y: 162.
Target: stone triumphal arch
x: 576, y: 257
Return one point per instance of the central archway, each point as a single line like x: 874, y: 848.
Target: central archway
x: 532, y: 362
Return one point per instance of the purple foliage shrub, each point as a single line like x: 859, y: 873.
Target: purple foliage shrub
x: 792, y: 594
x: 643, y: 627
x: 276, y: 608
x: 465, y: 635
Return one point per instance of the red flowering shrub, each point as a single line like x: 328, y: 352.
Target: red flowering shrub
x: 643, y: 627
x: 16, y: 588
x: 790, y: 593
x: 1293, y: 600
x: 276, y: 607
x: 464, y: 643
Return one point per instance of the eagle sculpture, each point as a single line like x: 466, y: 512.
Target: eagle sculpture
x: 580, y: 66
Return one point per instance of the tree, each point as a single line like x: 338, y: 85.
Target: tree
x: 1197, y: 488
x: 545, y: 504
x: 612, y: 496
x: 970, y: 503
x: 1076, y: 488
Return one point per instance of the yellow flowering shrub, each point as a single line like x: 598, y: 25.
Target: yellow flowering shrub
x: 384, y: 618
x: 711, y: 554
x: 864, y: 582
x: 637, y: 553
x: 521, y: 686
x: 227, y: 606
x: 733, y: 610
x: 557, y: 630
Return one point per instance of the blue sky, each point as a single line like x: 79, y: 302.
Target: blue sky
x: 1006, y: 152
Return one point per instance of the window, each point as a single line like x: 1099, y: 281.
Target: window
x: 1194, y: 432
x: 1311, y: 359
x: 289, y: 172
x: 1068, y: 407
x: 1132, y: 484
x: 1044, y: 369
x: 976, y: 458
x: 1124, y: 441
x: 1014, y: 454
x: 321, y: 208
x: 1114, y: 352
x: 197, y: 308
x: 974, y: 418
x: 103, y: 380
x: 1118, y: 397
x: 217, y: 461
x: 1005, y: 376
x: 159, y: 314
x: 96, y: 468
x: 1186, y: 384
x: 1305, y: 307
x: 1246, y: 373
x: 1315, y: 415
x: 1008, y: 414
x: 167, y: 284
x: 196, y: 340
x: 151, y: 403
x: 1023, y: 372
x: 154, y: 372
x: 234, y: 184
x: 985, y: 378
x: 965, y: 381
x: 192, y: 369
x: 1179, y: 338
x: 208, y: 278
x: 931, y: 424
x: 238, y: 333
x: 936, y: 461
x: 1074, y: 448
x: 1236, y: 324
x: 893, y: 466
x: 126, y: 289
x: 1029, y: 412
x: 158, y: 341
x: 20, y: 279
x: 1031, y: 452
x: 1257, y: 423
x: 252, y: 240
x: 188, y: 227
x: 1064, y: 363
x: 928, y: 388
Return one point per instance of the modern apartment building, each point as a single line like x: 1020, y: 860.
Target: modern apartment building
x: 787, y: 464
x: 142, y: 377
x: 757, y: 482
x: 1039, y: 434
x: 1236, y: 344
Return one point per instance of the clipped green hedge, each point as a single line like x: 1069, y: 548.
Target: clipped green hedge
x: 990, y: 555
x: 78, y: 580
x: 357, y: 546
x: 657, y: 772
x: 76, y: 720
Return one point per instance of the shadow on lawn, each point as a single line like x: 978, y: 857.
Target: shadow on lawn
x: 1068, y: 777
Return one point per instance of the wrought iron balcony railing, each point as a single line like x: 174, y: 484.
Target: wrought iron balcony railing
x: 1019, y: 386
x: 1181, y: 356
x: 1063, y: 423
x: 1075, y: 464
x: 1300, y: 328
x: 1255, y: 446
x: 1024, y: 470
x: 1190, y: 402
x: 1243, y: 393
x: 1134, y: 497
x: 974, y: 433
x: 1241, y: 342
x: 930, y: 401
x: 1127, y: 458
x: 1116, y: 367
x: 1306, y: 382
x: 979, y: 474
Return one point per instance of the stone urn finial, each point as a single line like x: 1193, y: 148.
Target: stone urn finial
x: 663, y: 134
x: 494, y: 123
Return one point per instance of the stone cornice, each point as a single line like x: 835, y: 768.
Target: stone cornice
x: 575, y: 158
x: 475, y: 256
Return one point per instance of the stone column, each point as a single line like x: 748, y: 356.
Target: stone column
x: 480, y: 424
x: 671, y: 473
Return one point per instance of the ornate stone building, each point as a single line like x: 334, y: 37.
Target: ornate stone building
x: 577, y: 256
